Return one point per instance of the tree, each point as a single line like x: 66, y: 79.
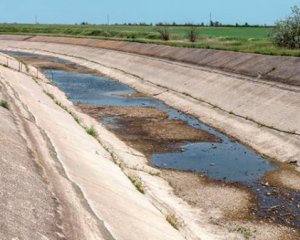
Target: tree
x: 215, y: 24
x: 164, y: 33
x: 193, y: 34
x: 287, y: 32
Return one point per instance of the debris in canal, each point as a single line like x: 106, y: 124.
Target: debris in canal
x: 148, y: 129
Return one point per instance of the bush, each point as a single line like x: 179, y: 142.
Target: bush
x: 287, y: 32
x: 193, y: 34
x: 164, y: 33
x: 122, y: 35
x: 4, y: 104
x: 95, y: 33
x: 153, y: 36
x: 132, y: 35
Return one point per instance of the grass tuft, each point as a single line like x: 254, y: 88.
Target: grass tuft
x: 171, y: 218
x: 75, y: 117
x: 247, y: 234
x: 137, y: 182
x: 92, y: 131
x: 4, y: 104
x: 50, y: 95
x: 154, y: 173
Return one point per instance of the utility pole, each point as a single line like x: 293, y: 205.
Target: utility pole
x: 36, y: 21
x: 108, y: 19
x: 210, y: 19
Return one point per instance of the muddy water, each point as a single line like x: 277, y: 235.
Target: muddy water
x: 226, y: 160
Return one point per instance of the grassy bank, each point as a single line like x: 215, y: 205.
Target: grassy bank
x: 240, y: 39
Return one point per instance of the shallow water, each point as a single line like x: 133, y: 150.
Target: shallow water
x: 25, y: 54
x: 228, y: 161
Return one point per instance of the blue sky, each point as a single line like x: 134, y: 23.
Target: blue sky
x: 96, y: 11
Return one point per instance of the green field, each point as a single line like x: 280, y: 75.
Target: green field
x: 241, y: 39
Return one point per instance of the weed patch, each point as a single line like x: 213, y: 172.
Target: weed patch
x: 247, y: 234
x: 171, y: 218
x: 92, y: 131
x: 58, y: 103
x: 137, y: 182
x: 4, y: 104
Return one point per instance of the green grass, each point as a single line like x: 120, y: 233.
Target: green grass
x: 4, y: 104
x: 178, y: 32
x: 75, y: 117
x: 247, y: 234
x: 92, y: 131
x: 239, y: 39
x: 137, y: 182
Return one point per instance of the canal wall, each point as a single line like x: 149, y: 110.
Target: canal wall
x: 92, y: 196
x: 274, y: 68
x: 99, y: 171
x: 261, y: 113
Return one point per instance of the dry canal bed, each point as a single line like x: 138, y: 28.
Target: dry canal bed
x: 173, y: 140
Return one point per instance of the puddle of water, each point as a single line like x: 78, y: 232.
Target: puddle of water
x: 228, y: 161
x: 221, y: 161
x: 90, y: 89
x: 44, y: 57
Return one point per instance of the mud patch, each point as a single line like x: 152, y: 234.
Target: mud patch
x: 217, y: 199
x: 285, y: 177
x: 50, y: 63
x: 148, y: 129
x: 44, y: 62
x: 228, y: 205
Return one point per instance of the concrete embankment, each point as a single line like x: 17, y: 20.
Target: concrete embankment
x: 263, y: 114
x: 28, y: 208
x: 77, y: 192
x: 119, y: 66
x: 274, y: 68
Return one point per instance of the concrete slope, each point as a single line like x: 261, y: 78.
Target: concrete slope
x: 28, y: 209
x: 108, y: 205
x: 275, y: 68
x: 264, y: 115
